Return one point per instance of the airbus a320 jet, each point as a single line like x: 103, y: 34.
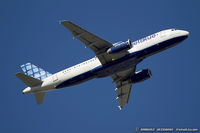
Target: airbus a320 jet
x: 117, y: 60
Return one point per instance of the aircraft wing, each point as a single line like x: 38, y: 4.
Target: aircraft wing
x: 97, y: 44
x: 123, y: 85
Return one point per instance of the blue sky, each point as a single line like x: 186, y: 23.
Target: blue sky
x: 30, y: 32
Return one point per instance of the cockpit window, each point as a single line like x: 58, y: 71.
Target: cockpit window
x: 173, y: 29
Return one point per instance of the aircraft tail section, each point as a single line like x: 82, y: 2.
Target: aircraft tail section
x: 34, y: 71
x: 33, y: 76
x: 39, y: 97
x: 32, y: 82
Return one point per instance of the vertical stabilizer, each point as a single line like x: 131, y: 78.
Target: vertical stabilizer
x: 34, y: 71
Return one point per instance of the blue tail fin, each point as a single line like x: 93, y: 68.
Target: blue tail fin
x: 34, y: 71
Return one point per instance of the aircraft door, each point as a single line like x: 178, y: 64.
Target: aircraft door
x: 163, y: 34
x: 54, y: 77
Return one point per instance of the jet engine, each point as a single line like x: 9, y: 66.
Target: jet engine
x: 141, y: 76
x: 120, y: 47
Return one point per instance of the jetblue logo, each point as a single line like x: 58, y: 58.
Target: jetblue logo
x: 144, y: 39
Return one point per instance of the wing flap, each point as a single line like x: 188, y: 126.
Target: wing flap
x: 123, y: 94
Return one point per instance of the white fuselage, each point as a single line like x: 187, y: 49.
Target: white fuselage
x: 94, y: 69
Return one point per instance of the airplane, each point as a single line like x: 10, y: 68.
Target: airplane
x: 118, y: 60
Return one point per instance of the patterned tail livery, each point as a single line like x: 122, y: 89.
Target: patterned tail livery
x: 34, y: 71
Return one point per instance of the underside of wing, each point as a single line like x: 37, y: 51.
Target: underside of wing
x: 97, y: 44
x: 123, y: 85
x: 123, y: 94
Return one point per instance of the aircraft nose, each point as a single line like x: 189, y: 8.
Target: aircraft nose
x: 186, y: 33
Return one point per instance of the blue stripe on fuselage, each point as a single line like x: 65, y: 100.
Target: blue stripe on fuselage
x: 104, y: 70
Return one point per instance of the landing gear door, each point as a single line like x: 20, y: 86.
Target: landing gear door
x: 54, y: 77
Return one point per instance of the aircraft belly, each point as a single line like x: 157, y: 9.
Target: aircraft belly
x: 115, y: 67
x: 76, y: 80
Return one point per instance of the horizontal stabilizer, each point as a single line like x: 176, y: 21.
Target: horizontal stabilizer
x: 39, y: 97
x: 29, y: 81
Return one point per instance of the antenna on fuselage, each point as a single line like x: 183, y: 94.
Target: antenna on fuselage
x: 129, y: 41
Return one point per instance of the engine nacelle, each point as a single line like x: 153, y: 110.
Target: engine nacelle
x: 120, y: 47
x: 141, y: 76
